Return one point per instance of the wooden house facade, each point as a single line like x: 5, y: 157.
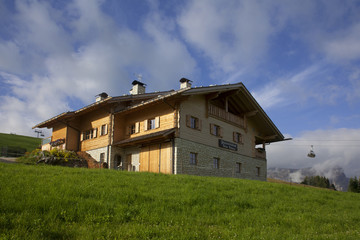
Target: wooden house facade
x: 209, y: 131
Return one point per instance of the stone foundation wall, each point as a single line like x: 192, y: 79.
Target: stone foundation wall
x: 251, y: 168
x: 95, y: 153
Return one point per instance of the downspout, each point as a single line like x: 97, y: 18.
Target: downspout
x: 173, y: 155
x: 159, y: 157
x: 110, y: 140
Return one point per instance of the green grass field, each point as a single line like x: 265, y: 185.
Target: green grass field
x: 46, y: 202
x: 12, y: 145
x: 29, y: 143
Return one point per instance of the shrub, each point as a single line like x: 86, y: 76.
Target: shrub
x: 53, y: 157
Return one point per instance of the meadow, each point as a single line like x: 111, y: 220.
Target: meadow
x: 29, y: 143
x: 49, y: 202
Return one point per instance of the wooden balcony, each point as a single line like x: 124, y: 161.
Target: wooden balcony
x: 222, y: 114
x: 260, y: 153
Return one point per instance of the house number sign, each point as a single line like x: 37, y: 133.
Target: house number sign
x: 227, y: 145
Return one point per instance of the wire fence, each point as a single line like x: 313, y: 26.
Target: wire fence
x: 12, y: 151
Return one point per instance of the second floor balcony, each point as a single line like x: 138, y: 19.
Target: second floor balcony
x: 224, y: 115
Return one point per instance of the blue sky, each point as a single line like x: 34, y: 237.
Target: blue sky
x: 300, y: 60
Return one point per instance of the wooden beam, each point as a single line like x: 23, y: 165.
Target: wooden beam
x: 229, y: 93
x: 251, y: 114
x: 212, y: 95
x: 226, y: 104
x: 270, y: 137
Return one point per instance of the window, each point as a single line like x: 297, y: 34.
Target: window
x: 193, y: 122
x: 238, y: 167
x: 102, y: 157
x: 152, y: 123
x: 216, y: 162
x: 193, y: 158
x: 215, y: 130
x: 89, y: 134
x: 103, y: 130
x: 132, y: 128
x: 237, y: 137
x: 258, y: 171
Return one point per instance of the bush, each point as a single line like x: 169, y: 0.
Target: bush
x: 53, y: 157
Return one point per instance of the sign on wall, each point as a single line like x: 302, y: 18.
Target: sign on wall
x: 227, y: 145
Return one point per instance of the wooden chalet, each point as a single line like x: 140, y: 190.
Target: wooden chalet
x: 211, y: 131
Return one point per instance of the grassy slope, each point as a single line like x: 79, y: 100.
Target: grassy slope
x: 30, y: 143
x: 44, y: 202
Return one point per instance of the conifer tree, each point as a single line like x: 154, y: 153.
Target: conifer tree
x: 353, y: 185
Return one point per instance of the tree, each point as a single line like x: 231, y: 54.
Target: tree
x: 354, y: 185
x: 318, y: 181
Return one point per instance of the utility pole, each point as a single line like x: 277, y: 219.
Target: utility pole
x: 39, y: 132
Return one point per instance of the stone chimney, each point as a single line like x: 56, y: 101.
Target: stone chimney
x: 138, y: 88
x: 185, y: 83
x: 101, y: 96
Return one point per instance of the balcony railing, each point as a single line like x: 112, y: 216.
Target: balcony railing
x: 260, y: 153
x: 45, y: 140
x: 221, y: 113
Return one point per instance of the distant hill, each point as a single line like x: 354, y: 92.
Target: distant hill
x: 18, y: 141
x: 335, y: 175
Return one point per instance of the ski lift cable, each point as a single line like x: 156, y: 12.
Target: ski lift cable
x: 326, y: 140
x: 316, y: 145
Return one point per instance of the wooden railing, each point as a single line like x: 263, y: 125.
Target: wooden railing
x: 260, y: 153
x: 221, y: 113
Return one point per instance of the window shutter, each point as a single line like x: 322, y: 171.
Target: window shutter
x: 157, y: 122
x: 137, y: 127
x: 234, y: 137
x: 128, y: 130
x: 106, y: 129
x: 82, y: 136
x: 146, y: 125
x: 212, y: 129
x: 188, y: 124
x: 199, y: 122
x: 220, y: 131
x: 94, y: 132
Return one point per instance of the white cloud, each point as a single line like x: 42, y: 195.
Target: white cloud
x: 295, y: 88
x: 80, y: 56
x: 336, y: 147
x: 232, y: 35
x: 345, y: 46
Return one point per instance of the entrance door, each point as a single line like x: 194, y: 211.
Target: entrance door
x: 118, y: 162
x: 156, y: 158
x: 128, y: 163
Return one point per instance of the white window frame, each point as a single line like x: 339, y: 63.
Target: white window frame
x: 103, y: 130
x: 89, y: 134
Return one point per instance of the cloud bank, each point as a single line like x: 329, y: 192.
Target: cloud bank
x: 339, y: 147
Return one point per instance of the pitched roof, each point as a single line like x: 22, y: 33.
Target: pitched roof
x: 92, y: 106
x: 240, y: 97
